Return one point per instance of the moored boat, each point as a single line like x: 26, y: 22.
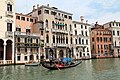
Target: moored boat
x: 33, y: 64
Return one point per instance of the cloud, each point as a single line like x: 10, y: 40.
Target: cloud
x: 93, y: 10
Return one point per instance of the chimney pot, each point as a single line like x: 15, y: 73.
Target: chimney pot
x: 82, y: 18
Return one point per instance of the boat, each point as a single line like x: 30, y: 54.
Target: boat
x: 58, y: 67
x: 33, y: 64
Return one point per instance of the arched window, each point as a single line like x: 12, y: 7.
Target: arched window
x: 53, y: 39
x: 82, y: 41
x: 47, y: 39
x: 53, y: 24
x: 59, y: 39
x: 70, y: 27
x: 46, y: 23
x: 66, y: 40
x: 65, y: 26
x: 115, y: 42
x: 79, y: 40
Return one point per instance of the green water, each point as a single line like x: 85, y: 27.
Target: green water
x: 98, y: 69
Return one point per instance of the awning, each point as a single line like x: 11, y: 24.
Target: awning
x: 59, y: 24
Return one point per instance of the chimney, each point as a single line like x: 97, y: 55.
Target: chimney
x: 86, y: 21
x: 48, y: 5
x: 82, y: 18
x: 33, y: 7
x: 96, y: 24
x: 37, y: 6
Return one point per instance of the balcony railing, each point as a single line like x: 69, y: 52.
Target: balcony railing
x: 47, y: 44
x: 8, y: 34
x: 62, y: 45
x: 41, y: 27
x: 59, y: 17
x: 42, y: 37
x: 60, y: 31
x: 80, y: 45
x: 24, y: 33
x: 9, y: 13
x: 47, y: 29
x: 71, y: 32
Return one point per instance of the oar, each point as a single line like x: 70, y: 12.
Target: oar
x: 57, y: 66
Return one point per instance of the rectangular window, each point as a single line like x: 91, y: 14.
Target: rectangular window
x: 86, y: 33
x: 25, y: 49
x: 27, y: 30
x: 82, y: 41
x: 31, y: 20
x: 97, y: 39
x: 70, y: 17
x: 86, y: 42
x: 23, y: 18
x: 18, y: 29
x: 110, y: 24
x: 46, y: 11
x: 27, y: 19
x: 18, y: 17
x: 118, y: 33
x: 65, y: 16
x: 36, y: 40
x: 85, y: 27
x: 100, y: 39
x: 41, y: 32
x: 82, y: 32
x: 75, y: 32
x: 113, y: 32
x: 9, y: 7
x: 53, y: 13
x: 39, y: 12
x: 9, y: 26
x: 25, y: 58
x: 98, y: 46
x: 76, y: 41
x: 113, y: 24
x: 18, y: 58
x: 93, y: 46
x: 75, y: 25
x: 92, y: 39
x: 81, y: 26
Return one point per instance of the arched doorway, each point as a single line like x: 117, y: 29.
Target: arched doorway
x: 9, y: 50
x: 61, y: 54
x: 31, y: 57
x: 1, y: 49
x: 80, y: 54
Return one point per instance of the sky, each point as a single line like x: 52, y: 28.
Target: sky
x: 101, y: 11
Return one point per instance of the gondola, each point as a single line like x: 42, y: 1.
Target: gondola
x: 57, y: 66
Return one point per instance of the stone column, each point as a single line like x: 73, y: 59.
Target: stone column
x: 13, y: 52
x: 4, y: 58
x: 39, y: 53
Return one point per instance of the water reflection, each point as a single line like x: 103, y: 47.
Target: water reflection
x: 98, y: 69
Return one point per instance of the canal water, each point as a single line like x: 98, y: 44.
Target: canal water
x: 97, y: 69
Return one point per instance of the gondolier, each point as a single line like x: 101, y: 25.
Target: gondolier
x: 50, y: 58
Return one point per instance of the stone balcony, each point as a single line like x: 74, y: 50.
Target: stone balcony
x: 9, y: 13
x: 47, y: 29
x: 28, y: 34
x: 8, y: 34
x: 59, y: 31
